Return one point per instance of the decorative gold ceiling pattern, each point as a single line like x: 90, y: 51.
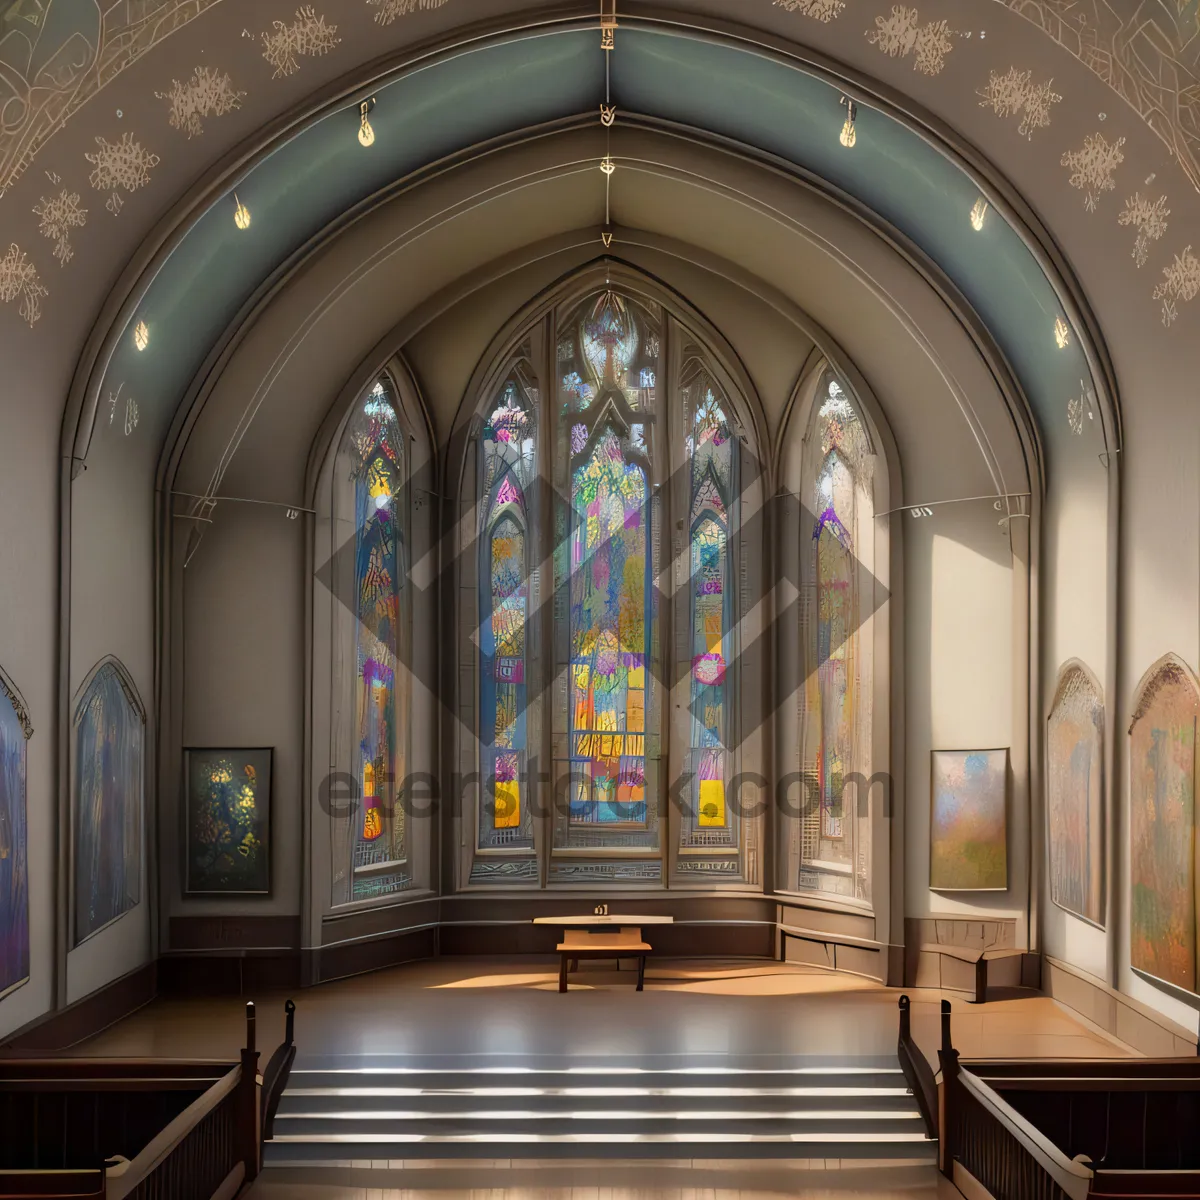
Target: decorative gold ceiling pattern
x: 56, y: 55
x: 1149, y: 54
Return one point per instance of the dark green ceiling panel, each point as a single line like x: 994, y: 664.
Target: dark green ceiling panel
x: 460, y: 100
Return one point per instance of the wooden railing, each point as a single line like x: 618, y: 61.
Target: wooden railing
x: 994, y: 1144
x: 1061, y: 1130
x: 194, y: 1130
x: 275, y: 1078
x: 917, y: 1070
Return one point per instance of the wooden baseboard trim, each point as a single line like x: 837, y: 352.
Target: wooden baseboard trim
x: 86, y: 1017
x: 1128, y: 1020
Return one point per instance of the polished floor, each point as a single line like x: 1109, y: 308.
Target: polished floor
x: 504, y: 1011
x: 507, y: 1015
x: 617, y: 1181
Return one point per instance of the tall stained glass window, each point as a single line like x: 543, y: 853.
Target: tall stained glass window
x: 508, y: 464
x: 837, y: 691
x: 711, y: 464
x: 109, y: 730
x: 374, y: 456
x: 607, y: 356
x: 14, y: 863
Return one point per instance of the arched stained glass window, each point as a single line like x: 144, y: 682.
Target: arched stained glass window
x: 712, y: 491
x: 836, y: 720
x: 643, y: 427
x: 509, y: 471
x: 374, y: 459
x: 109, y: 728
x: 608, y: 362
x: 14, y: 862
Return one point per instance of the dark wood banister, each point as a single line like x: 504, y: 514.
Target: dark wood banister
x: 275, y: 1078
x: 917, y: 1071
x: 948, y: 1061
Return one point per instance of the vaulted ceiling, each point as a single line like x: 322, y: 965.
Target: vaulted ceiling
x: 130, y: 135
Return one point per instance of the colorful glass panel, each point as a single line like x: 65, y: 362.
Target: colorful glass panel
x: 610, y: 635
x: 108, y: 803
x: 14, y: 863
x: 378, y: 475
x: 509, y: 467
x: 834, y: 693
x: 710, y: 454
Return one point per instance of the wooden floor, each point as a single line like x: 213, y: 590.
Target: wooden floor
x: 492, y: 1011
x: 617, y: 1181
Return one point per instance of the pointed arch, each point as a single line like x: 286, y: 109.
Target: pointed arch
x: 1162, y: 802
x: 15, y: 732
x: 618, y: 363
x: 837, y: 469
x: 109, y: 795
x: 372, y: 644
x: 507, y: 456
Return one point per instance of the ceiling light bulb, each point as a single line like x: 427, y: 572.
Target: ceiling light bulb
x: 366, y: 135
x: 141, y: 335
x: 849, y: 134
x: 607, y: 165
x: 241, y: 214
x: 1062, y: 333
x: 979, y: 214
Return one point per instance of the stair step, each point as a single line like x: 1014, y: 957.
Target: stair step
x: 349, y: 1100
x: 294, y: 1150
x: 593, y: 1082
x: 344, y: 1112
x: 501, y: 1123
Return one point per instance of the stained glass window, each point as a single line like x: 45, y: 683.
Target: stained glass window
x: 509, y: 471
x: 108, y: 802
x: 14, y: 864
x: 711, y: 491
x: 375, y: 447
x: 837, y: 694
x: 608, y: 361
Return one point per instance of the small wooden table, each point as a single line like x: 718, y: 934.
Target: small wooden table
x: 595, y: 935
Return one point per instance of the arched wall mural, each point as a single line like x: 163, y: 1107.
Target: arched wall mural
x: 15, y: 731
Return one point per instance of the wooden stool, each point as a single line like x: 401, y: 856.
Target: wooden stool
x: 580, y: 943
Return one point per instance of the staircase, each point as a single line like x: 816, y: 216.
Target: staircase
x: 353, y: 1115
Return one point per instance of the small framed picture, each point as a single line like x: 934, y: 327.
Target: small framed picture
x: 227, y: 822
x: 968, y: 824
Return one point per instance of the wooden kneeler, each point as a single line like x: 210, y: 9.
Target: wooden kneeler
x: 582, y: 943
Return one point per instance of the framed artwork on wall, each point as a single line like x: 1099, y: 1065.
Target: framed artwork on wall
x: 227, y: 821
x: 15, y: 732
x: 1075, y: 794
x: 107, y: 833
x: 968, y: 821
x: 1162, y: 820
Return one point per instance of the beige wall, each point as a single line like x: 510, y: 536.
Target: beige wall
x: 967, y: 677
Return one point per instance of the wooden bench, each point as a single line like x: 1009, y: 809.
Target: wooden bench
x: 618, y: 944
x: 598, y: 935
x: 963, y: 954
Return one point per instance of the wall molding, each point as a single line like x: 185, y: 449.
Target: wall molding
x: 69, y: 1026
x: 1121, y: 1016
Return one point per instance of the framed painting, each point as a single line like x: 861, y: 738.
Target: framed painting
x: 228, y: 822
x: 109, y: 768
x: 15, y: 731
x: 1075, y: 794
x: 968, y: 821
